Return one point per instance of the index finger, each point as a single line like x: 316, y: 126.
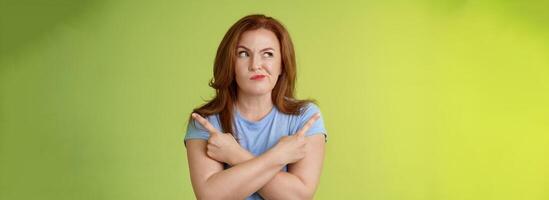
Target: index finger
x: 308, y: 125
x: 205, y: 123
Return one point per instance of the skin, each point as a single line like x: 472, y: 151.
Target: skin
x: 259, y: 53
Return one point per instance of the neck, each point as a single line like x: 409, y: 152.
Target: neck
x: 254, y: 107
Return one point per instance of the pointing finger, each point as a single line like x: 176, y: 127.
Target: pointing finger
x: 308, y: 125
x: 205, y: 123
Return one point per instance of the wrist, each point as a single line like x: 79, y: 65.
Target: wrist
x: 241, y: 156
x: 276, y: 156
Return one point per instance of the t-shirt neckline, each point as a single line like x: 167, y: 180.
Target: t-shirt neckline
x: 255, y: 123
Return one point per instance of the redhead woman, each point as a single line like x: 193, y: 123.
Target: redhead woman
x: 254, y: 140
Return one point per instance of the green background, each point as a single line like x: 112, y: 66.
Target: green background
x: 422, y: 100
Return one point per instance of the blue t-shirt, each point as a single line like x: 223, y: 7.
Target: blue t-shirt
x: 258, y: 137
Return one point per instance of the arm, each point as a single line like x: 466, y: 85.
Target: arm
x: 210, y: 181
x: 301, y: 180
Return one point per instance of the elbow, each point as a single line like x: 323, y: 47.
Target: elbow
x: 307, y: 195
x: 201, y: 195
x: 205, y: 195
x: 306, y: 192
x: 205, y: 191
x: 212, y: 195
x: 302, y: 194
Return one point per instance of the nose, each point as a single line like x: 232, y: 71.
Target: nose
x: 255, y: 64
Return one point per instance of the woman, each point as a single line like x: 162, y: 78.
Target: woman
x: 253, y: 140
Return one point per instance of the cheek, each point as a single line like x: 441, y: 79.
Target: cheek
x: 274, y: 68
x: 275, y: 74
x: 240, y: 68
x: 241, y: 77
x: 240, y: 74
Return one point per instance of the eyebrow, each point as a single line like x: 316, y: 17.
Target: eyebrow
x: 265, y: 49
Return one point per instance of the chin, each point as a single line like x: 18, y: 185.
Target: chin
x: 258, y: 91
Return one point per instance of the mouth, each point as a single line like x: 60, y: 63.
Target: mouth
x: 257, y: 77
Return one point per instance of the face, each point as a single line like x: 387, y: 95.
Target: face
x: 258, y: 62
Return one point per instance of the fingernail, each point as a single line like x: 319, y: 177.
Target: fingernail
x: 194, y: 115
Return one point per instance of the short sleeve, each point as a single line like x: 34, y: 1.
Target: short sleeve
x: 196, y: 131
x: 318, y: 126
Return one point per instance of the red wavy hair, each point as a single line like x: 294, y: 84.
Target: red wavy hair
x: 224, y: 81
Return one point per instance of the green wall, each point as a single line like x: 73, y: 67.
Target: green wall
x: 422, y: 100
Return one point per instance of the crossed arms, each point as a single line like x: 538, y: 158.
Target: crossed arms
x: 248, y: 174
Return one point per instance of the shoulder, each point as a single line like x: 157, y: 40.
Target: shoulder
x: 196, y: 131
x: 309, y: 109
x: 213, y: 119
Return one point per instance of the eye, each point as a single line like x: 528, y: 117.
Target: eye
x: 268, y: 54
x: 242, y: 54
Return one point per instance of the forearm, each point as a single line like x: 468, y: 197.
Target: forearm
x: 238, y: 182
x: 283, y: 185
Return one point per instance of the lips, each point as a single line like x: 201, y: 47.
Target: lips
x: 257, y: 77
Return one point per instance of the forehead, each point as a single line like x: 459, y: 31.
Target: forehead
x: 258, y: 39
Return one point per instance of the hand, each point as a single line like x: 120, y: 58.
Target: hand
x: 293, y: 148
x: 221, y: 146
